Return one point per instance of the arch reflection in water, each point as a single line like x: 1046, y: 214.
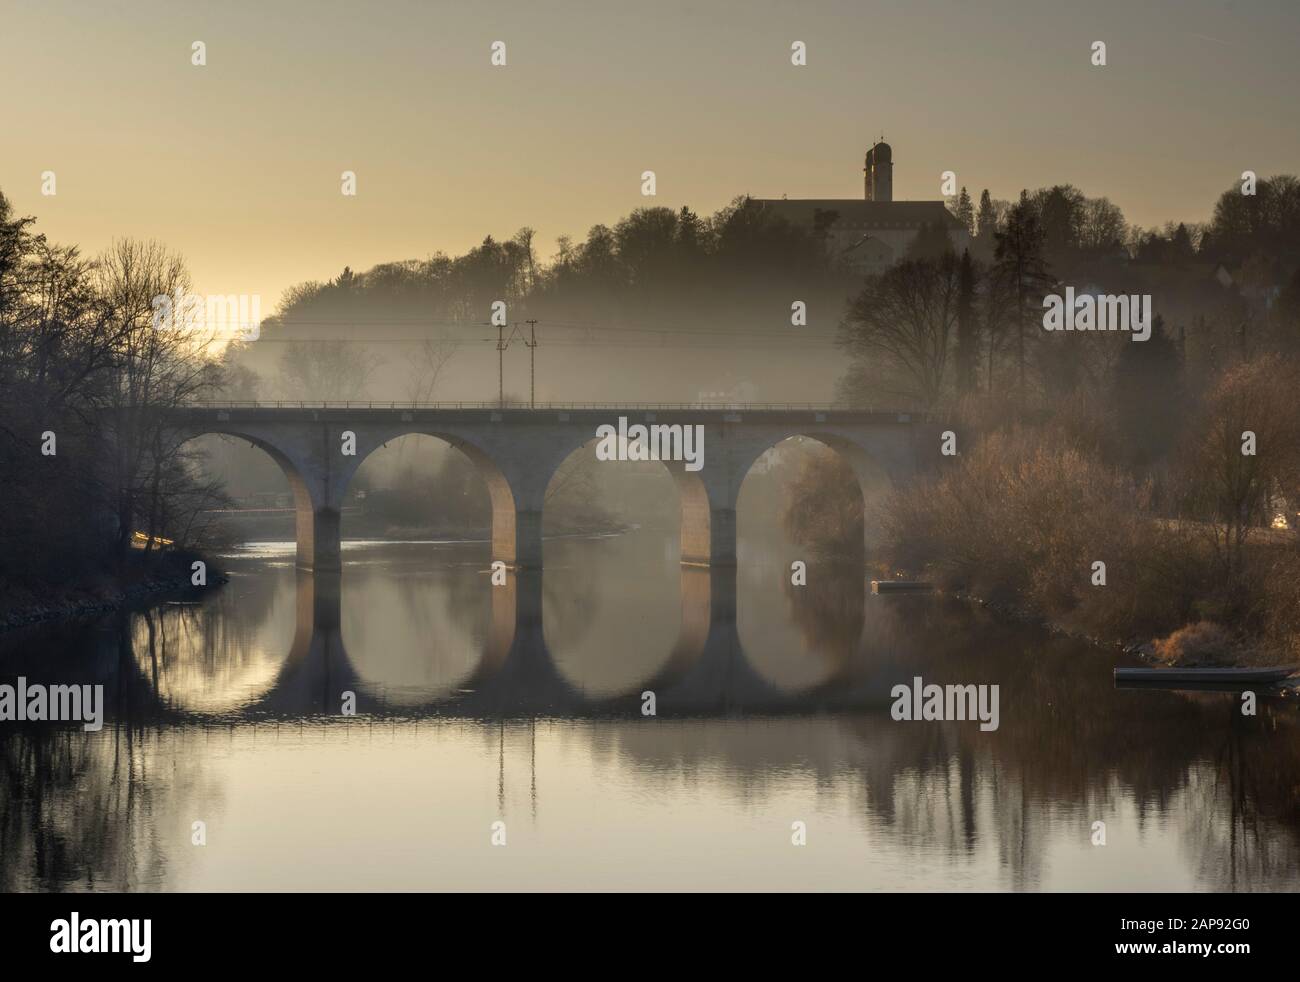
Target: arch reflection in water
x: 416, y: 632
x: 801, y: 638
x: 432, y: 636
x: 610, y: 625
x: 815, y: 488
x: 220, y: 656
x: 449, y: 643
x: 502, y: 664
x: 423, y: 646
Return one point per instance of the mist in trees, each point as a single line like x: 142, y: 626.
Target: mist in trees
x: 663, y: 301
x: 1161, y: 437
x: 699, y: 303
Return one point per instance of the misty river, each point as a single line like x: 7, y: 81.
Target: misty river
x: 524, y: 705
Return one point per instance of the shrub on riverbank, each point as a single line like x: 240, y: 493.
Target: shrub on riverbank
x: 1022, y: 520
x: 823, y: 507
x: 1202, y: 643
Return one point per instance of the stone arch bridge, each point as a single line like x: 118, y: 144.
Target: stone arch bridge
x: 518, y: 450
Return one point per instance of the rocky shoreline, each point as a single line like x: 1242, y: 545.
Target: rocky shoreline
x: 94, y: 601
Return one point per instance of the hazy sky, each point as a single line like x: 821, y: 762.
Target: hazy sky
x: 237, y: 164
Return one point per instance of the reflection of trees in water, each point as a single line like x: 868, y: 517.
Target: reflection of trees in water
x: 59, y: 812
x: 1069, y: 745
x: 1069, y: 750
x: 83, y: 811
x: 1243, y: 800
x: 828, y: 611
x: 212, y: 656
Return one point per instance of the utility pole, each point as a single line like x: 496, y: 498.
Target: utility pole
x: 532, y: 364
x: 501, y: 368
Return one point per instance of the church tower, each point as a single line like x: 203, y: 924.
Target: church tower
x: 878, y: 173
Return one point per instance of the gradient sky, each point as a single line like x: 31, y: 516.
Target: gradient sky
x: 236, y: 165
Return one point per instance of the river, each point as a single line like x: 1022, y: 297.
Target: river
x: 520, y: 714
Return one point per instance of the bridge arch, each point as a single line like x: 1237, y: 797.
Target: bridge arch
x: 307, y: 518
x: 870, y: 473
x: 693, y: 499
x: 504, y: 533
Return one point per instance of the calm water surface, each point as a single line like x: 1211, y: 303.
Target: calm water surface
x: 523, y: 704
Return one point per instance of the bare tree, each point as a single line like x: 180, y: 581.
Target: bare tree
x: 323, y: 370
x: 427, y: 365
x: 909, y: 313
x: 160, y: 363
x: 1246, y: 449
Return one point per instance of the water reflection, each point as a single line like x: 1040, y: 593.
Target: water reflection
x: 524, y: 702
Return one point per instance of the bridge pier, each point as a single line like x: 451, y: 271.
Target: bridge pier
x: 708, y: 536
x: 525, y: 540
x: 320, y: 541
x: 708, y: 527
x: 722, y: 537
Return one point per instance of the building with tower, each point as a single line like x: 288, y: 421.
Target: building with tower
x: 871, y: 234
x: 878, y: 173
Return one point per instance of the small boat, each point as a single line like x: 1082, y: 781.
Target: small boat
x: 901, y: 586
x: 1219, y: 675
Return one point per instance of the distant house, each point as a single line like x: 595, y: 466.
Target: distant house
x: 871, y: 234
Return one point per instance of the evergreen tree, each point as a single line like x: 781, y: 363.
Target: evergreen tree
x: 965, y: 211
x: 986, y: 221
x: 1020, y: 266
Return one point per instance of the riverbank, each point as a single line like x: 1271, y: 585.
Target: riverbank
x: 1234, y: 655
x: 1025, y: 615
x: 1062, y: 535
x: 26, y: 604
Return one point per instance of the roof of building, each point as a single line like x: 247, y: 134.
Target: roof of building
x: 855, y: 213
